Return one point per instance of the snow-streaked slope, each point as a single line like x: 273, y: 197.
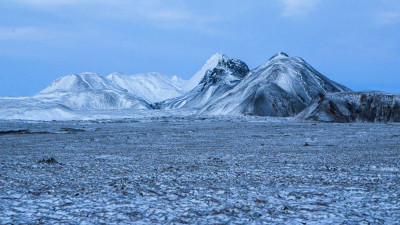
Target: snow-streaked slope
x: 89, y: 91
x: 152, y: 87
x: 78, y: 97
x: 219, y: 75
x: 28, y: 108
x: 283, y: 86
x: 353, y: 106
x: 177, y: 81
x: 95, y: 99
x: 82, y: 82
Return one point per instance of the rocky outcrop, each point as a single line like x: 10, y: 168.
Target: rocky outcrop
x: 353, y: 107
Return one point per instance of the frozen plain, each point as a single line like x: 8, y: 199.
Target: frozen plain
x: 199, y: 170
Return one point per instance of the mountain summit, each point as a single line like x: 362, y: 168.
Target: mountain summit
x: 81, y: 82
x: 219, y: 75
x: 279, y: 55
x: 226, y: 70
x: 217, y: 60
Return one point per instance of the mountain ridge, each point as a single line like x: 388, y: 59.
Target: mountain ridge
x: 283, y: 86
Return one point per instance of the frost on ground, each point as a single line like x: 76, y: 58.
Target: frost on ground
x: 199, y: 170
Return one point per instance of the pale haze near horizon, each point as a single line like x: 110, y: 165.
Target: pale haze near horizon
x: 355, y: 43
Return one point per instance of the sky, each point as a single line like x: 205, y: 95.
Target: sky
x: 354, y: 42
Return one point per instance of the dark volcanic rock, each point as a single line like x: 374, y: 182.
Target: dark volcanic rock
x: 49, y: 161
x: 225, y: 67
x: 352, y: 107
x: 14, y: 132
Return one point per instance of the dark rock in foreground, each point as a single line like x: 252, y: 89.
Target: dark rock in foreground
x: 353, y: 107
x: 48, y: 161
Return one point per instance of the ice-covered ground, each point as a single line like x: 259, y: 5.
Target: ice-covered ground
x: 237, y: 170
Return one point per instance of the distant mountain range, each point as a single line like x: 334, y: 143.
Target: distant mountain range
x: 283, y: 86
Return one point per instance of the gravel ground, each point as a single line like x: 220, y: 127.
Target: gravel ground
x: 199, y: 171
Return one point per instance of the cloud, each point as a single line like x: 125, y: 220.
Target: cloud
x: 138, y: 9
x: 298, y: 7
x: 47, y: 4
x: 153, y: 10
x: 172, y: 14
x: 386, y: 18
x: 22, y: 33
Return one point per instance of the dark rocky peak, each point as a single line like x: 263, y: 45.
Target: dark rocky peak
x: 279, y: 55
x: 226, y: 71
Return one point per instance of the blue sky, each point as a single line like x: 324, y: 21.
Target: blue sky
x: 355, y: 42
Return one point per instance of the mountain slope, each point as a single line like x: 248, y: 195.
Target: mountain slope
x: 283, y: 86
x: 152, y: 87
x: 217, y: 76
x: 353, y: 106
x: 29, y: 108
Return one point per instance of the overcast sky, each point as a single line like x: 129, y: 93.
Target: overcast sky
x: 354, y: 42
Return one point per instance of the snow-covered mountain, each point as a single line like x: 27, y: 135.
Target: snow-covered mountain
x: 89, y: 91
x: 283, y: 86
x: 116, y: 91
x: 219, y: 75
x: 82, y: 82
x: 353, y: 106
x: 70, y: 96
x: 152, y: 87
x: 211, y: 63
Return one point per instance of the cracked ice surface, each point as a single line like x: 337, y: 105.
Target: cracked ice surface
x: 200, y: 170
